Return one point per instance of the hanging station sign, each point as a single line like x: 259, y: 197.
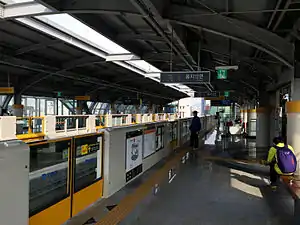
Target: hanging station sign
x: 7, y: 90
x: 215, y: 98
x: 213, y: 94
x: 185, y: 77
x: 222, y: 74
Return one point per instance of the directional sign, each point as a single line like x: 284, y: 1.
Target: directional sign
x: 222, y: 74
x: 7, y: 90
x: 226, y: 93
x: 83, y: 98
x: 213, y: 94
x: 185, y: 77
x: 215, y: 98
x: 221, y: 103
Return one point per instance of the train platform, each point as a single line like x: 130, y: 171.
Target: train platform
x: 200, y: 192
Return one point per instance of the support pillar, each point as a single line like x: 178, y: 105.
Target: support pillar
x: 274, y: 116
x: 18, y: 111
x: 263, y: 120
x: 17, y: 106
x: 245, y: 118
x: 251, y: 128
x: 293, y: 120
x: 263, y: 127
x: 113, y: 108
x: 233, y: 113
x: 242, y: 114
x: 79, y: 107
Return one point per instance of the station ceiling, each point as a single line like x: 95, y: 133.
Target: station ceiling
x: 256, y: 35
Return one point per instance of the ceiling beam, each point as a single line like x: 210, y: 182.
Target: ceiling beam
x: 155, y: 20
x: 23, y: 9
x: 44, y: 73
x: 36, y: 47
x: 141, y: 37
x: 234, y: 29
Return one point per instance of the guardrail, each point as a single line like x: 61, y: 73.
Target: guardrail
x: 35, y: 127
x: 29, y: 127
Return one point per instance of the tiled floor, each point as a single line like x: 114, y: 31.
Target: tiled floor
x: 206, y: 193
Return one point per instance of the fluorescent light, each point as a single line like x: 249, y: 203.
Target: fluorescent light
x: 227, y: 67
x: 73, y: 27
x: 15, y: 1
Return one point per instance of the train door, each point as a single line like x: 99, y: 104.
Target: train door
x: 87, y: 163
x: 49, y: 182
x: 65, y: 177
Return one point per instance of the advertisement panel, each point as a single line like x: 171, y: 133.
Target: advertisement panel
x: 159, y: 137
x: 149, y: 141
x: 134, y: 154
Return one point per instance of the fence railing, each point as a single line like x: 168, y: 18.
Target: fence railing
x: 34, y: 127
x: 29, y: 127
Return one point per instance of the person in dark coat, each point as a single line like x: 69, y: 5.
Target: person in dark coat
x: 195, y: 128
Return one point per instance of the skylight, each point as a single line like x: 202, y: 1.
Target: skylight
x: 73, y: 27
x: 16, y: 1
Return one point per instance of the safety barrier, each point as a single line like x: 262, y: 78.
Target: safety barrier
x: 89, y: 158
x: 55, y: 126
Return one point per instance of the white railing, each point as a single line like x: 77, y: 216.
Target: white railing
x: 54, y: 126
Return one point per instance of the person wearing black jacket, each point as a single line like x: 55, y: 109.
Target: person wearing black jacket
x: 195, y: 128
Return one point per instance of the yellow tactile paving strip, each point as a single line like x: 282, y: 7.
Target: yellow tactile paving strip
x: 128, y: 204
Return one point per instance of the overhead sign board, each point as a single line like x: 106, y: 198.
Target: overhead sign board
x: 83, y: 98
x: 7, y: 90
x: 226, y: 93
x: 221, y: 103
x: 213, y: 94
x: 215, y: 98
x: 185, y: 77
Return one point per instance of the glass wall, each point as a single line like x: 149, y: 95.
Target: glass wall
x: 48, y: 177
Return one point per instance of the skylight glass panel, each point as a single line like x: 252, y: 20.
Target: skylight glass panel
x: 68, y: 24
x: 15, y: 1
x: 74, y: 27
x: 145, y: 66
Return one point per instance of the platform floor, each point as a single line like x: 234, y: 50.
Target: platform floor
x: 209, y: 193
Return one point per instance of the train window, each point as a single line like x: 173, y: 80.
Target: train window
x: 48, y: 174
x: 88, y: 167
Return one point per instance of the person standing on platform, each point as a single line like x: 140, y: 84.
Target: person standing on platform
x: 195, y: 128
x: 281, y: 159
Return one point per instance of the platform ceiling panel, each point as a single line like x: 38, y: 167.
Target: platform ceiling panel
x: 193, y: 34
x: 47, y: 65
x: 145, y: 27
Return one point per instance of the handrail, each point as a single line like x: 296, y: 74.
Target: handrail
x: 37, y: 127
x: 30, y: 127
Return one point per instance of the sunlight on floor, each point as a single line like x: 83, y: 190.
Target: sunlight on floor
x: 247, y: 182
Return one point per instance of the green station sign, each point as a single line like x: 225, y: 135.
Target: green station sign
x: 222, y: 74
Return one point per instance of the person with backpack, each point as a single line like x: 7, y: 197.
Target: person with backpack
x: 195, y: 128
x: 281, y: 159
